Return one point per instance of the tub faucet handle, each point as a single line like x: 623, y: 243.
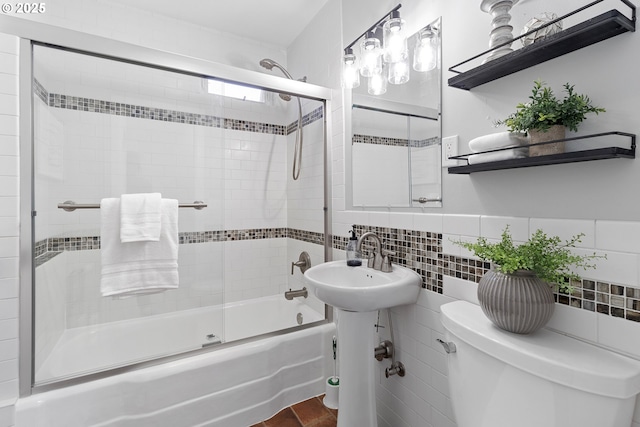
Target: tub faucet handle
x: 304, y: 262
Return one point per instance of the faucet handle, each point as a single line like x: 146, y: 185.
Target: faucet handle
x: 386, y: 262
x: 371, y: 260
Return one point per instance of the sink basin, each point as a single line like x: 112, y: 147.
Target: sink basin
x: 362, y: 288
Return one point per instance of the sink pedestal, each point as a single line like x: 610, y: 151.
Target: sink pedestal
x: 356, y: 341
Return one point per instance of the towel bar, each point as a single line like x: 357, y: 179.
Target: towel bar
x: 71, y: 206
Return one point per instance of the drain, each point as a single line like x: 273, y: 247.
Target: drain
x: 299, y: 318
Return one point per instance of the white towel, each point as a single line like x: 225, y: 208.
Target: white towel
x: 511, y: 153
x: 497, y: 140
x: 138, y: 267
x: 140, y: 217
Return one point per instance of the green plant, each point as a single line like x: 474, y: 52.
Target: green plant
x: 548, y: 257
x: 545, y: 110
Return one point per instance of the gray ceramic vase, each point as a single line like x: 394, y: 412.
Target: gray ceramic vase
x: 519, y: 302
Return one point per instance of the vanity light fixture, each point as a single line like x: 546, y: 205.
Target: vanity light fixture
x: 425, y: 56
x: 371, y: 54
x: 384, y: 54
x: 394, y: 39
x: 351, y: 71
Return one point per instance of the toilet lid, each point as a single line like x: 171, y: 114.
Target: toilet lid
x: 546, y: 354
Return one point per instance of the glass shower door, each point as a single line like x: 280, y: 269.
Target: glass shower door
x: 104, y: 128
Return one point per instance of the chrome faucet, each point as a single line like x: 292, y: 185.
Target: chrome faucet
x: 379, y: 260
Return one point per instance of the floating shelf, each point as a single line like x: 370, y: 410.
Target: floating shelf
x: 553, y: 159
x: 602, y: 27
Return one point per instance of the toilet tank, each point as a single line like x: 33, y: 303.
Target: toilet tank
x: 500, y: 379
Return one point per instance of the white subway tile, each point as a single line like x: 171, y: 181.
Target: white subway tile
x: 566, y: 229
x: 619, y: 268
x: 460, y: 289
x: 8, y: 349
x: 465, y: 225
x: 428, y: 222
x: 575, y: 321
x: 8, y: 63
x: 8, y: 104
x: 9, y: 85
x: 8, y: 308
x: 619, y: 334
x: 9, y: 268
x: 492, y: 227
x: 8, y: 370
x: 7, y: 414
x: 8, y: 329
x: 9, y: 288
x: 8, y: 43
x: 9, y: 390
x: 450, y: 248
x: 9, y: 145
x: 8, y: 124
x: 402, y: 221
x: 9, y: 227
x: 9, y: 247
x: 619, y: 236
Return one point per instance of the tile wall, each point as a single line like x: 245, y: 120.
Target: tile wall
x: 9, y: 208
x: 603, y: 308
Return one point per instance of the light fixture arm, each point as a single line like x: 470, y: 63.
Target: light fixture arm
x: 372, y: 28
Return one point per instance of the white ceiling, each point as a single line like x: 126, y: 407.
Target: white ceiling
x: 277, y: 22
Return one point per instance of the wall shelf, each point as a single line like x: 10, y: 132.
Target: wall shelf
x: 554, y: 159
x: 602, y: 27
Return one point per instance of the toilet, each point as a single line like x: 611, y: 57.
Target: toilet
x: 500, y: 379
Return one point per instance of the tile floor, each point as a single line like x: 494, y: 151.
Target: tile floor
x: 310, y: 413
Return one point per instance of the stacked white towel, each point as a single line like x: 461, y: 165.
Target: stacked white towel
x: 508, y: 141
x: 140, y: 217
x: 142, y: 267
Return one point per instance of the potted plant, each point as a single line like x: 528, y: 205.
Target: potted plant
x: 545, y: 117
x: 516, y: 293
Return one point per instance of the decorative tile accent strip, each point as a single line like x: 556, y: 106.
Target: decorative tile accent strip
x: 418, y: 250
x: 56, y: 244
x: 306, y: 236
x: 60, y: 244
x: 379, y: 140
x: 45, y: 257
x: 397, y: 142
x: 309, y: 118
x: 40, y: 248
x: 141, y: 112
x: 40, y: 91
x: 415, y: 143
x: 463, y: 268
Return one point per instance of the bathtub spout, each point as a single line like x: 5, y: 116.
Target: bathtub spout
x: 297, y: 293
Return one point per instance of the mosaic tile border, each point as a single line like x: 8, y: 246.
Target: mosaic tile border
x: 418, y: 250
x: 396, y: 142
x: 422, y: 251
x: 55, y: 245
x: 91, y: 105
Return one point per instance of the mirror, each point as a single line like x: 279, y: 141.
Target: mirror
x: 396, y: 137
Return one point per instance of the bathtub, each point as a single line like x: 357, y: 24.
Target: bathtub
x: 236, y: 385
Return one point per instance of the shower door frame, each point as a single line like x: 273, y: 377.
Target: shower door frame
x: 31, y: 33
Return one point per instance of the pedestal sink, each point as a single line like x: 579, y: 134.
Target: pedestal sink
x: 358, y: 293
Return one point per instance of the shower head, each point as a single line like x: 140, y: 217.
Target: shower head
x: 267, y: 63
x: 270, y: 63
